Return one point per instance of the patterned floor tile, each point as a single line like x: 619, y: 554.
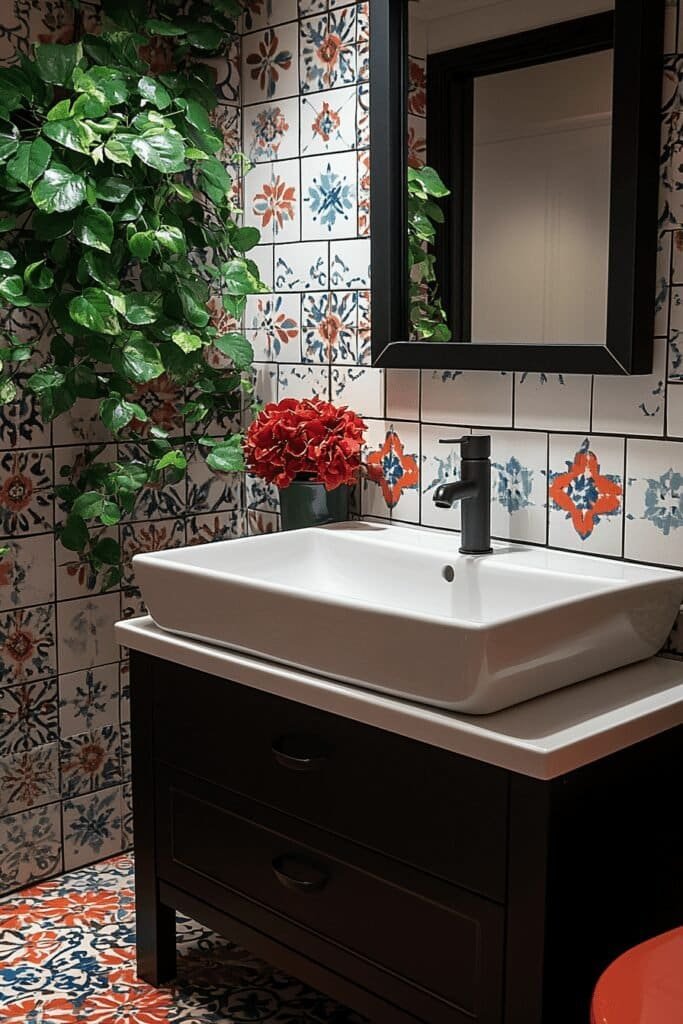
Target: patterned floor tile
x: 67, y: 955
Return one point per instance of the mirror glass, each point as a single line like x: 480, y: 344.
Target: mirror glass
x: 511, y: 104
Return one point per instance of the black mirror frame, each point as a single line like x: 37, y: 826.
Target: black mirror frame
x: 636, y: 143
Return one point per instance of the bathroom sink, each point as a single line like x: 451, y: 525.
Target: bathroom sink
x: 399, y: 610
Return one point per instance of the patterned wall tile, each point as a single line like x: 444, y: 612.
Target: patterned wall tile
x: 328, y: 55
x: 262, y: 13
x: 302, y: 267
x: 26, y: 480
x: 328, y: 121
x: 359, y: 387
x: 297, y: 381
x: 90, y: 761
x: 272, y: 325
x: 27, y: 644
x: 88, y: 699
x: 271, y: 131
x: 350, y: 263
x: 392, y: 487
x: 92, y: 827
x: 269, y: 64
x: 28, y: 716
x: 272, y: 200
x: 519, y: 485
x: 329, y: 189
x: 30, y: 846
x: 215, y: 526
x: 27, y: 571
x: 440, y: 465
x: 29, y: 778
x: 654, y: 502
x: 586, y: 493
x: 86, y: 632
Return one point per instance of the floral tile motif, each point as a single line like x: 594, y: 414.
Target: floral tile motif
x: 90, y: 761
x: 132, y: 605
x: 417, y: 86
x: 440, y: 465
x: 302, y: 267
x: 28, y: 716
x: 92, y: 827
x: 226, y: 119
x: 393, y: 469
x: 260, y: 13
x: 127, y: 816
x: 274, y: 207
x: 225, y: 525
x: 208, y: 491
x: 519, y: 490
x: 654, y: 502
x: 29, y: 778
x: 161, y: 399
x: 271, y: 131
x: 330, y: 327
x: 269, y: 64
x: 25, y: 492
x: 139, y: 538
x: 272, y: 326
x: 27, y: 644
x: 30, y: 846
x: 265, y: 383
x: 328, y: 121
x: 76, y: 935
x: 297, y: 381
x: 27, y: 572
x: 329, y: 190
x: 328, y: 56
x: 88, y: 699
x: 586, y: 497
x: 86, y: 632
x: 363, y: 40
x: 75, y: 576
x: 364, y: 193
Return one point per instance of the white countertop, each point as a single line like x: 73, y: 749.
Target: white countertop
x: 542, y: 738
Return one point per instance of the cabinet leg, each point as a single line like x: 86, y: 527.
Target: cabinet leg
x: 156, y: 942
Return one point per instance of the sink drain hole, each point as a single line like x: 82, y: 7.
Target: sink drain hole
x: 448, y: 573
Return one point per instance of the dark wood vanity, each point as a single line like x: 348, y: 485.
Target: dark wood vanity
x: 408, y: 882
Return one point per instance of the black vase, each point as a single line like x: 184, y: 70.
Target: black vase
x: 307, y: 503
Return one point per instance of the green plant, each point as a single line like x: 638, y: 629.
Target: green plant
x: 427, y: 314
x: 121, y: 227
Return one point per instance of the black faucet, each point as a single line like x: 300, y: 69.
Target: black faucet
x: 474, y: 490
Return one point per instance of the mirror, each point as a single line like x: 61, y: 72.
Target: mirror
x: 527, y: 132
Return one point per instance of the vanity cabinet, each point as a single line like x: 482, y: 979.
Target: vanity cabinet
x: 410, y: 883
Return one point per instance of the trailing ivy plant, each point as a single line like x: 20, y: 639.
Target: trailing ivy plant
x: 427, y: 315
x: 120, y: 225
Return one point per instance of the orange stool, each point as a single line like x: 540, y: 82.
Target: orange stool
x: 644, y: 985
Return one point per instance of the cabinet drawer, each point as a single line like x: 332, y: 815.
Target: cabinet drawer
x: 421, y: 805
x: 441, y: 941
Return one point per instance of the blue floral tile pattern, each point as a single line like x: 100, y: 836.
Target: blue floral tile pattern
x: 90, y: 761
x: 28, y: 715
x: 514, y: 485
x: 330, y: 199
x: 29, y: 778
x: 30, y: 847
x: 92, y: 827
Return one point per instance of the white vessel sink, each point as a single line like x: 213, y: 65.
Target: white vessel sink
x: 399, y: 610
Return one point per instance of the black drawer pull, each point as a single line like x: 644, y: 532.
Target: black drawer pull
x: 299, y: 875
x: 299, y: 753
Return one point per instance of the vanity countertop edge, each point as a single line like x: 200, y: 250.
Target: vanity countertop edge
x: 543, y: 738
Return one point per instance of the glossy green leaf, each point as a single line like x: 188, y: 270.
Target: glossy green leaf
x: 244, y: 239
x: 93, y: 309
x: 37, y: 275
x: 227, y: 456
x: 118, y: 151
x: 141, y: 244
x: 163, y: 28
x: 107, y: 550
x: 59, y: 190
x: 236, y: 347
x: 143, y: 307
x: 100, y: 268
x: 30, y: 161
x: 113, y: 190
x: 88, y: 505
x: 95, y: 229
x: 164, y: 151
x: 154, y: 92
x: 195, y: 114
x: 186, y: 341
x: 56, y: 61
x: 141, y: 361
x: 9, y: 140
x: 74, y: 534
x: 172, y: 238
x: 11, y: 287
x: 7, y: 260
x: 69, y: 133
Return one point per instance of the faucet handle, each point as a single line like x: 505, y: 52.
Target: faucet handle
x: 473, y: 446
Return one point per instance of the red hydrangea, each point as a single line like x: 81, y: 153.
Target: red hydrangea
x: 309, y: 438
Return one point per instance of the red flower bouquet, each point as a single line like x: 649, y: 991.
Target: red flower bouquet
x: 308, y: 439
